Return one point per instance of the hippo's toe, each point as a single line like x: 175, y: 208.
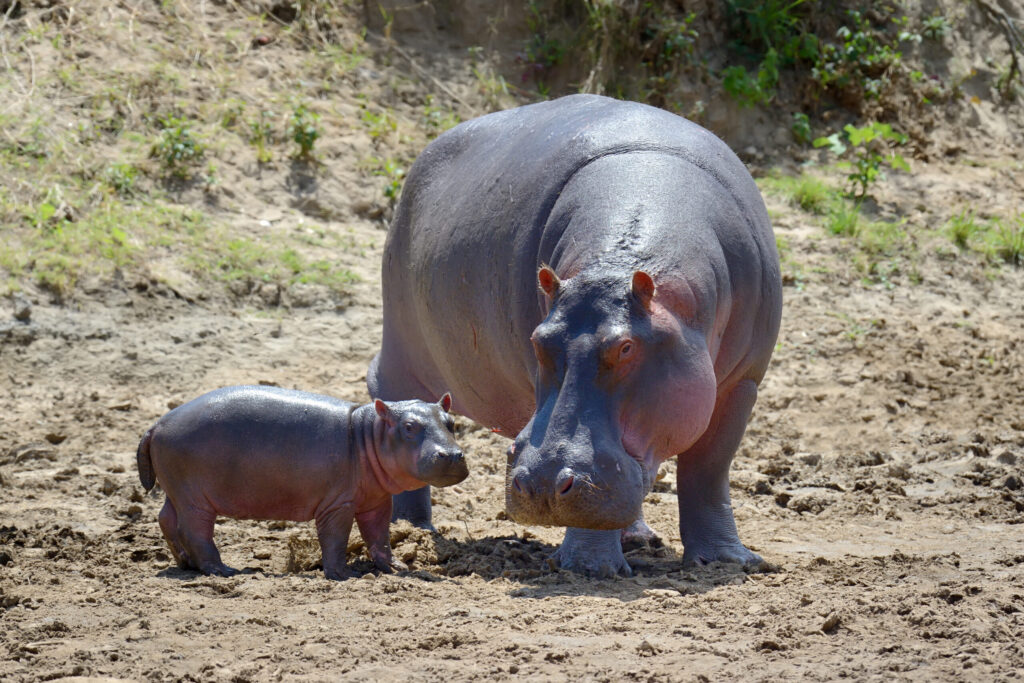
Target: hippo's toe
x: 592, y: 553
x: 640, y: 536
x: 218, y: 570
x: 736, y: 553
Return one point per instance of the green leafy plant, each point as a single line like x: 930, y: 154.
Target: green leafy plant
x: 393, y: 172
x: 377, y: 125
x: 866, y: 150
x: 177, y: 147
x: 801, y: 128
x: 935, y: 27
x: 437, y: 120
x: 121, y: 178
x: 303, y: 131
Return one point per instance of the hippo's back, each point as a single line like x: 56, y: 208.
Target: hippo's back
x: 473, y: 226
x: 255, y: 421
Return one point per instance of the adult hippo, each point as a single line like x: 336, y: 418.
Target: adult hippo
x: 600, y: 279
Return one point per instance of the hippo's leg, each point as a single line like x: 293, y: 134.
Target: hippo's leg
x: 639, y: 535
x: 375, y: 527
x: 415, y: 507
x: 706, y: 523
x: 332, y: 529
x: 196, y: 532
x: 169, y: 526
x: 592, y: 552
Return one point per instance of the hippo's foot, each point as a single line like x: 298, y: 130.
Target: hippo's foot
x: 592, y: 552
x: 339, y: 573
x: 413, y: 506
x: 638, y: 535
x: 217, y: 569
x: 389, y: 567
x: 736, y: 553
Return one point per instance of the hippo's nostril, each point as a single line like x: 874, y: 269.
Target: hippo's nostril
x: 566, y: 484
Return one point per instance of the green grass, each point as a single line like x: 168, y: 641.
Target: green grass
x: 1006, y: 240
x: 962, y: 227
x: 807, y: 192
x: 999, y: 239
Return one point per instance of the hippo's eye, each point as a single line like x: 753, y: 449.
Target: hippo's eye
x: 410, y: 429
x: 450, y: 425
x: 625, y: 349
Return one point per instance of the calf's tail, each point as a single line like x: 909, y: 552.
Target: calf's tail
x: 146, y: 474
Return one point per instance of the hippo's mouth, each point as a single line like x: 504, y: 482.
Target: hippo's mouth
x: 585, y: 500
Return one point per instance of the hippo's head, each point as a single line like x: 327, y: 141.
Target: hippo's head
x: 420, y: 437
x: 622, y: 383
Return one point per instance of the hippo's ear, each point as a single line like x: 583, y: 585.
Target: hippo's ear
x: 643, y: 288
x: 383, y: 411
x: 446, y: 402
x: 548, y: 281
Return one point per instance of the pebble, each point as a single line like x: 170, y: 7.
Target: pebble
x: 831, y: 622
x: 22, y: 308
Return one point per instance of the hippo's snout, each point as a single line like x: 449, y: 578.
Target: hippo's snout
x: 568, y: 496
x: 443, y: 467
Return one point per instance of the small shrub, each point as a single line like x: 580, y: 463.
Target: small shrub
x: 121, y: 179
x: 801, y: 128
x: 177, y: 147
x: 870, y: 147
x: 935, y: 27
x: 303, y: 131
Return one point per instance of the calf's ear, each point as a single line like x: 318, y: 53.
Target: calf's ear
x: 383, y: 411
x: 446, y: 402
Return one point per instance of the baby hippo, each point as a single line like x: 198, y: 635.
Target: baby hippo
x: 267, y: 453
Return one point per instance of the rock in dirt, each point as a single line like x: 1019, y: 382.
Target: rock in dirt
x: 22, y: 308
x: 31, y: 451
x: 831, y: 622
x: 55, y: 438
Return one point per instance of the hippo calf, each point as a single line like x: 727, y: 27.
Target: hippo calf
x: 597, y: 279
x: 255, y: 452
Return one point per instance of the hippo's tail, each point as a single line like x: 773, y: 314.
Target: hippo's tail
x: 146, y: 474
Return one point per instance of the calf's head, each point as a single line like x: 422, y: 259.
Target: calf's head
x: 420, y: 438
x: 622, y: 382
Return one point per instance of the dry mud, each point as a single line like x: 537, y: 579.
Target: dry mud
x: 880, y: 478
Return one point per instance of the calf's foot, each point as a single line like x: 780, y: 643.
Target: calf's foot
x: 592, y: 552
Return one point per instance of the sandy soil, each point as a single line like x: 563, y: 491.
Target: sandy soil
x: 881, y: 479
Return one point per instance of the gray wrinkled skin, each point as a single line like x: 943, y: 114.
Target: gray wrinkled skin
x: 644, y: 338
x: 254, y: 452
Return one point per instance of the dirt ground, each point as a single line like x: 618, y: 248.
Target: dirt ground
x: 880, y: 478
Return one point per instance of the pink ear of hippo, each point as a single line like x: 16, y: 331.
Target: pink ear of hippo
x: 382, y: 409
x: 643, y: 288
x: 446, y: 402
x: 548, y: 281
